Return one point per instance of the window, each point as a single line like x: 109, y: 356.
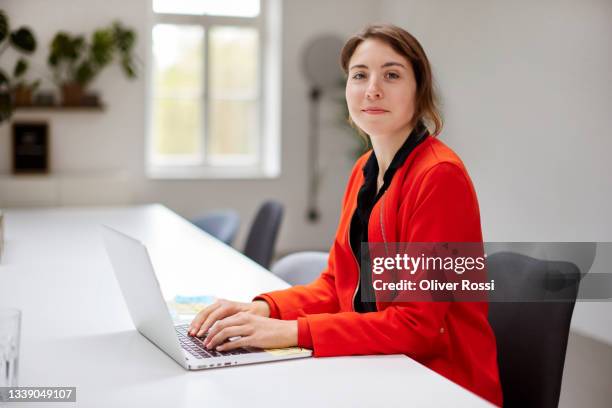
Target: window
x: 208, y: 90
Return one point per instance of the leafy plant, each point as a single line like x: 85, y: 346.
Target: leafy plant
x: 21, y: 67
x: 74, y: 60
x: 23, y: 41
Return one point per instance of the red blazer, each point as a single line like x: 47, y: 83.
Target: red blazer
x: 431, y: 199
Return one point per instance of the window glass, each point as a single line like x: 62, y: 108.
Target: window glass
x: 234, y: 91
x: 178, y: 103
x: 233, y: 8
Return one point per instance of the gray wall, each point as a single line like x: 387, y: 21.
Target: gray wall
x: 527, y: 92
x: 99, y: 158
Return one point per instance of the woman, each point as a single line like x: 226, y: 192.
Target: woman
x: 409, y: 188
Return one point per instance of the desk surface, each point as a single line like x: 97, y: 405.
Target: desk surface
x: 76, y: 330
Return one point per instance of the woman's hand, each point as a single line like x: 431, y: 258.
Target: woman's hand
x: 254, y: 331
x: 221, y: 309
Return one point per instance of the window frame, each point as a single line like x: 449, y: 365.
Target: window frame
x: 266, y: 163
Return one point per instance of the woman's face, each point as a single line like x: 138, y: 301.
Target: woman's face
x: 380, y: 90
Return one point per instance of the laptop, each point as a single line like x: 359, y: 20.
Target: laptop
x: 138, y: 282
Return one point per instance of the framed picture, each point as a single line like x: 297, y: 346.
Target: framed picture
x: 30, y: 148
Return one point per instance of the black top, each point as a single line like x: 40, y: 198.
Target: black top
x: 366, y: 199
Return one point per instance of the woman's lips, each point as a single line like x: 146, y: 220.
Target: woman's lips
x: 374, y: 111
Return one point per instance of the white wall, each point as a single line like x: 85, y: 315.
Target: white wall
x: 527, y: 92
x: 94, y: 146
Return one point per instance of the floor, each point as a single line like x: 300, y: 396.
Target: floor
x: 587, y: 377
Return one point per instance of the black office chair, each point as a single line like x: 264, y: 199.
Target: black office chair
x: 264, y: 231
x: 531, y: 335
x: 221, y: 224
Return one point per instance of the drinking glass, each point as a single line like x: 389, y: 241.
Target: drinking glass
x: 10, y: 325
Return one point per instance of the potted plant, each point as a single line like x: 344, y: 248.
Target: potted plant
x: 23, y: 41
x: 76, y: 62
x: 23, y: 90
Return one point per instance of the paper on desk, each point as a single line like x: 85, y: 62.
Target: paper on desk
x: 286, y: 351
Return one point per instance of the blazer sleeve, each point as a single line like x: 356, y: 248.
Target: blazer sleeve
x: 444, y: 209
x: 319, y: 296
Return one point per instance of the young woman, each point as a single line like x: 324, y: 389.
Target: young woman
x: 409, y: 188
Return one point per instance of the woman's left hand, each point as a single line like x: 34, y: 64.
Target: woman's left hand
x: 254, y: 331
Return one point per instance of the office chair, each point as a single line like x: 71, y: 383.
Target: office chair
x: 221, y: 224
x: 531, y: 335
x: 300, y: 268
x: 263, y: 233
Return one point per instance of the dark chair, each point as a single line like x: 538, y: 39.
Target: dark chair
x: 222, y: 224
x: 264, y: 231
x: 531, y: 335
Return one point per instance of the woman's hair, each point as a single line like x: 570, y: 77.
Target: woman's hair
x: 402, y: 42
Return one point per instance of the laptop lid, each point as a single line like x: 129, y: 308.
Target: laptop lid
x: 141, y: 291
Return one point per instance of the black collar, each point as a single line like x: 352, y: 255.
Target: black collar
x: 370, y: 169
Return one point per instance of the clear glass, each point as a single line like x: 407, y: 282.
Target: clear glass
x: 232, y: 8
x: 10, y: 328
x: 234, y: 93
x: 1, y: 234
x: 233, y: 124
x: 234, y: 61
x: 178, y: 88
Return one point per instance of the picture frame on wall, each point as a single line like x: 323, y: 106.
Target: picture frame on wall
x: 30, y: 148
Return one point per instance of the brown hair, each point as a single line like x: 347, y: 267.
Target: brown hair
x: 404, y: 43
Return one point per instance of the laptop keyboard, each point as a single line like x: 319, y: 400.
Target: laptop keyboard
x: 195, y: 346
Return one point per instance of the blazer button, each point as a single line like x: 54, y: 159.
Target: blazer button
x: 441, y: 330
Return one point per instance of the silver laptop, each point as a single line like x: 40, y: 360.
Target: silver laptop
x: 150, y: 314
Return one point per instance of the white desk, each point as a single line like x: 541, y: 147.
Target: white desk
x: 76, y: 330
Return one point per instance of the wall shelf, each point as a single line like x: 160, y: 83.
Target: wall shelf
x: 60, y: 108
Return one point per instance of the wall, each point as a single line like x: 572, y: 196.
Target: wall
x: 527, y: 93
x: 527, y: 96
x: 89, y: 149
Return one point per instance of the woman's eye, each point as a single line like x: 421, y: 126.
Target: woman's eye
x: 358, y: 75
x: 392, y: 75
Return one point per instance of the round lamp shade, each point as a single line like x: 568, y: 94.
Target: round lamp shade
x: 321, y: 62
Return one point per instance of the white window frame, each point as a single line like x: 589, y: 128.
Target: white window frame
x: 267, y: 163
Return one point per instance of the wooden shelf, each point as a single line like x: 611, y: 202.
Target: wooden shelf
x: 60, y: 108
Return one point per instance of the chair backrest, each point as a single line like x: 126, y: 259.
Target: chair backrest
x: 300, y: 268
x: 221, y: 224
x: 531, y: 336
x: 263, y: 233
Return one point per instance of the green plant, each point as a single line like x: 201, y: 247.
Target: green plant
x: 23, y: 41
x: 73, y: 60
x: 19, y: 81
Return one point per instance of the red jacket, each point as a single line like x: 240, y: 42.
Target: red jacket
x: 431, y: 199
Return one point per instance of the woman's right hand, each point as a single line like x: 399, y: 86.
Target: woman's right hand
x: 221, y: 309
